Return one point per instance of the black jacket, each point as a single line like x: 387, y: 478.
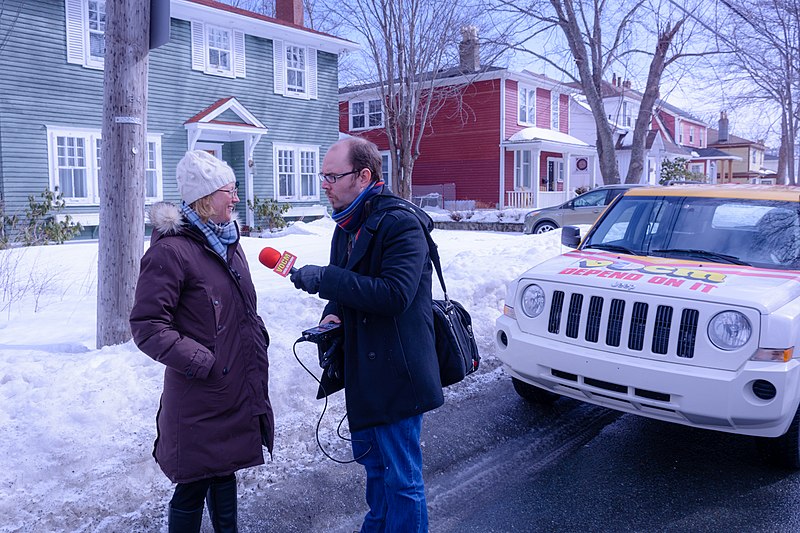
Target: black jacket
x: 382, y: 293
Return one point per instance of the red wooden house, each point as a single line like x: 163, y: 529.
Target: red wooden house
x: 504, y: 141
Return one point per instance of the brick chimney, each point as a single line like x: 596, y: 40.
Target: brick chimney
x: 723, y: 127
x: 469, y: 50
x: 290, y: 11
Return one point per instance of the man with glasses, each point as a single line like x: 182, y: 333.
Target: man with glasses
x: 378, y: 286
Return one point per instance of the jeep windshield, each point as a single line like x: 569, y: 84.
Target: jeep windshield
x: 762, y: 233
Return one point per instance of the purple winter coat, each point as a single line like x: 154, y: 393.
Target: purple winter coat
x: 197, y: 315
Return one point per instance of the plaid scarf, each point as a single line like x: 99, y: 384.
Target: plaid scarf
x: 351, y: 217
x: 219, y: 236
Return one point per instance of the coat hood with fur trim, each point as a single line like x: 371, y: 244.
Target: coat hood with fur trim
x: 167, y: 218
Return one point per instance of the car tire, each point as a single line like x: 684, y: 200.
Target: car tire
x: 783, y: 451
x: 532, y: 394
x: 544, y: 227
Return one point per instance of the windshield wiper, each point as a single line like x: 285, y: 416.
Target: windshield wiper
x: 612, y: 248
x: 703, y: 254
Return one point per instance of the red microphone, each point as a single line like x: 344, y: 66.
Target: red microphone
x: 280, y: 263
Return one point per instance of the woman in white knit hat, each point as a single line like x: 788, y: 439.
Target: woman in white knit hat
x: 195, y: 312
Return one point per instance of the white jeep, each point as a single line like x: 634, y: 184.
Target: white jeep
x: 680, y: 303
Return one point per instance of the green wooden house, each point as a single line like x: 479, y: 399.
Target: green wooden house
x: 259, y: 92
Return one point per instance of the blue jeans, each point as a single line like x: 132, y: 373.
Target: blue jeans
x: 392, y: 458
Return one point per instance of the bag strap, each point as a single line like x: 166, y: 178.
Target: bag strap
x: 433, y: 249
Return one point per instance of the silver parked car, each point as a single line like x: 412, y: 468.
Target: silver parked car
x: 583, y: 209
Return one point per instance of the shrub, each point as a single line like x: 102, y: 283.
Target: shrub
x: 38, y: 224
x: 269, y: 212
x: 675, y: 170
x: 582, y: 189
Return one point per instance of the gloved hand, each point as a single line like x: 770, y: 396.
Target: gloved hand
x: 331, y: 359
x: 308, y: 278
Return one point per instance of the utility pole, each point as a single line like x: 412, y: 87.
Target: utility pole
x: 123, y: 163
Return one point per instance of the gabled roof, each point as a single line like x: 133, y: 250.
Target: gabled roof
x: 609, y: 90
x: 442, y: 74
x: 713, y: 138
x: 259, y: 25
x: 673, y: 110
x: 714, y: 153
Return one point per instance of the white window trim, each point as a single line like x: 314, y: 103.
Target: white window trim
x: 200, y: 49
x: 77, y: 35
x: 559, y: 169
x: 91, y: 136
x: 528, y: 89
x: 366, y: 114
x: 388, y: 167
x: 279, y: 70
x: 555, y: 111
x: 519, y: 170
x: 296, y: 148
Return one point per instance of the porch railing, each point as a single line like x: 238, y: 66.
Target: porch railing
x: 523, y: 199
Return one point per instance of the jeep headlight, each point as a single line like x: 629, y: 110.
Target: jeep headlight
x: 533, y: 301
x: 729, y: 330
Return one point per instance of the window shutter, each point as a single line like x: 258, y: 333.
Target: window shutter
x: 198, y: 46
x: 312, y: 73
x: 279, y: 66
x: 74, y: 12
x: 238, y: 54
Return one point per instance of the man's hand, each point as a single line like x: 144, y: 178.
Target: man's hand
x: 308, y: 278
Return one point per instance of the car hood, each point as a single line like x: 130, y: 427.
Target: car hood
x: 760, y: 288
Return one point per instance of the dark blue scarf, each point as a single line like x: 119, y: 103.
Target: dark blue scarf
x: 351, y: 217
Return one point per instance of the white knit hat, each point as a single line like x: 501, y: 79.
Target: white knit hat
x: 200, y: 174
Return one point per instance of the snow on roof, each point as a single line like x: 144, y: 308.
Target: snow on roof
x: 541, y: 134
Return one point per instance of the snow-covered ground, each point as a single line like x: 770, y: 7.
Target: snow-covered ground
x: 78, y: 423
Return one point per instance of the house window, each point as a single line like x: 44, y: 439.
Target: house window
x: 296, y: 69
x: 72, y: 167
x: 527, y: 105
x: 75, y: 162
x: 85, y: 32
x: 697, y: 169
x: 96, y: 29
x: 626, y: 114
x: 296, y: 168
x: 386, y: 168
x: 366, y: 114
x: 754, y: 157
x: 523, y: 175
x: 218, y: 51
x: 554, y: 114
x: 691, y: 134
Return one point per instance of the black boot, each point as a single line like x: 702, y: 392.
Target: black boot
x: 221, y: 500
x: 185, y: 521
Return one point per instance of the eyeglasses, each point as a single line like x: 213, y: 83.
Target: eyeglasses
x: 231, y: 192
x: 331, y: 178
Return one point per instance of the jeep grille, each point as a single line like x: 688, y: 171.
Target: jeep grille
x: 588, y: 322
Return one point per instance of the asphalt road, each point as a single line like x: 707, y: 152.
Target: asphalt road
x: 494, y: 463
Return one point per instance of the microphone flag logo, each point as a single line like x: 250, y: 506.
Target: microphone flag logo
x: 285, y: 264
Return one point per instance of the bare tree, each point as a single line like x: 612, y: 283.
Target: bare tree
x: 317, y: 14
x: 583, y: 40
x: 121, y: 183
x: 763, y: 64
x: 407, y: 45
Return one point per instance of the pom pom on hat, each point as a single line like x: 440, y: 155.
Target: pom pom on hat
x: 200, y: 174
